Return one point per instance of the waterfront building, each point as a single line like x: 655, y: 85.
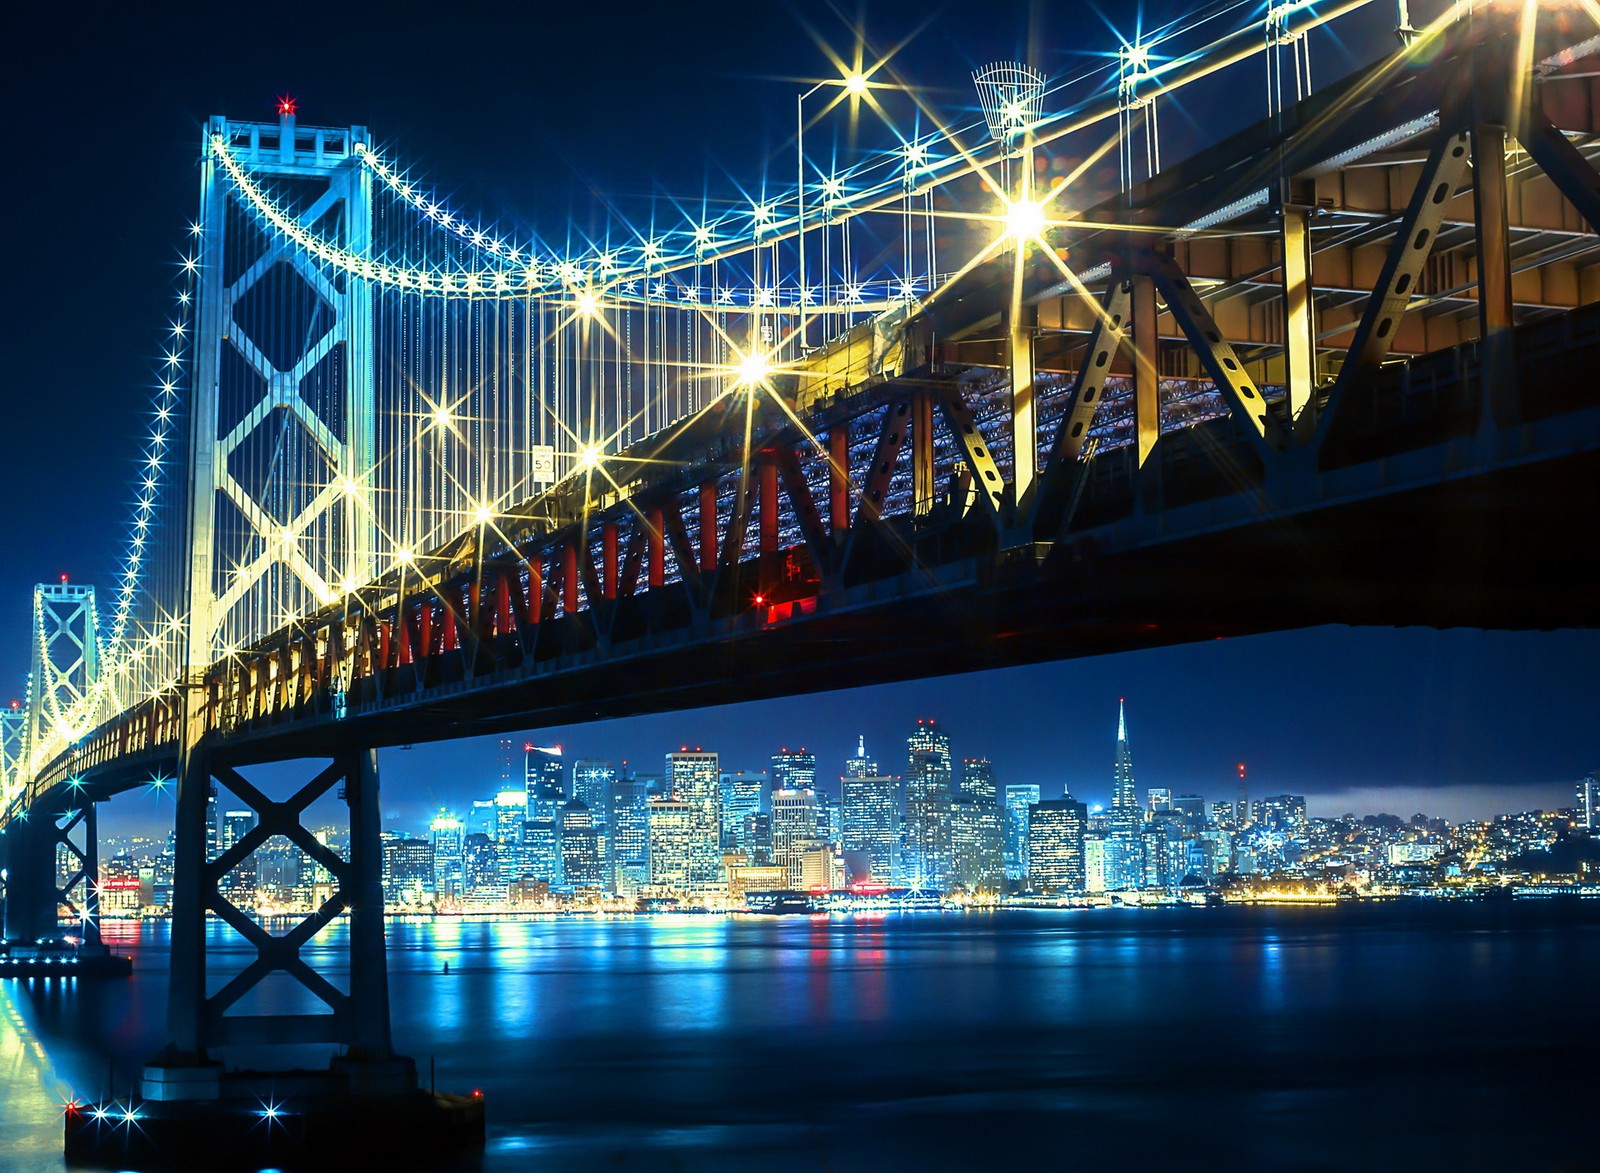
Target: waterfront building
x: 1094, y: 863
x: 870, y: 834
x: 1589, y: 801
x: 977, y: 780
x: 628, y: 838
x: 480, y: 866
x: 925, y: 831
x: 821, y: 869
x: 1056, y: 829
x: 676, y: 833
x: 794, y: 828
x: 749, y: 877
x: 694, y: 777
x: 407, y: 872
x: 1020, y: 797
x: 977, y: 844
x: 1124, y: 865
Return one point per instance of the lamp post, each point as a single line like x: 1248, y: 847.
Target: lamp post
x: 855, y: 84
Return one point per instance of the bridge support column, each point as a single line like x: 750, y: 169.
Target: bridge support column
x: 1497, y: 356
x: 357, y: 1021
x: 30, y: 862
x: 36, y: 892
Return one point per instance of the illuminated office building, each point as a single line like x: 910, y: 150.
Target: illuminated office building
x: 925, y: 857
x: 870, y: 835
x: 1056, y: 829
x: 1124, y: 847
x: 1019, y: 798
x: 794, y: 829
x: 449, y: 867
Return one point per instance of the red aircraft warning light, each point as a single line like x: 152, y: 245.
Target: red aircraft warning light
x: 286, y: 106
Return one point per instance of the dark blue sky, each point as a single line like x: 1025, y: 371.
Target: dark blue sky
x: 521, y: 113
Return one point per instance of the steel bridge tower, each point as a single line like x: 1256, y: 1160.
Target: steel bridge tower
x: 52, y: 851
x: 282, y: 422
x: 281, y: 450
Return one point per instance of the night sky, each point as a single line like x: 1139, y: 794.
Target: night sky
x: 521, y: 114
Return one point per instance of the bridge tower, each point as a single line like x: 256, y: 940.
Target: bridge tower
x: 66, y: 661
x: 281, y: 452
x: 282, y: 427
x: 52, y: 851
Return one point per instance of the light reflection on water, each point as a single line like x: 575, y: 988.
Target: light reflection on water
x: 697, y: 1042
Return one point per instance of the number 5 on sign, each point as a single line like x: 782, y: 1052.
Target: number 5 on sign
x: 544, y: 464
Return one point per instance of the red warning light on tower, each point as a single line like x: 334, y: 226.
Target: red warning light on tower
x: 63, y: 579
x: 286, y: 106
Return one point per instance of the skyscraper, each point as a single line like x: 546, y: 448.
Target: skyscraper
x: 591, y: 784
x: 925, y: 851
x: 449, y: 870
x: 794, y: 770
x: 794, y: 829
x: 629, y: 837
x: 694, y: 777
x: 1124, y: 848
x: 860, y: 766
x: 977, y: 845
x: 582, y: 847
x: 511, y: 812
x: 676, y: 828
x: 1055, y: 845
x: 741, y: 802
x: 977, y: 780
x: 870, y: 832
x: 1019, y: 797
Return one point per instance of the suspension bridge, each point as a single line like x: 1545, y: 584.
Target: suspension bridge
x: 1016, y: 389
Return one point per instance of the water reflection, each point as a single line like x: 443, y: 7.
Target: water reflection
x: 698, y: 1042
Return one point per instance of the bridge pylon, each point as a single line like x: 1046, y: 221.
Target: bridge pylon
x: 355, y: 1021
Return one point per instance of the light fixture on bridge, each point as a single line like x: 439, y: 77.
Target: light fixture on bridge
x: 589, y: 457
x: 855, y: 83
x: 441, y: 415
x: 482, y: 516
x: 588, y: 303
x: 1025, y: 219
x: 753, y: 370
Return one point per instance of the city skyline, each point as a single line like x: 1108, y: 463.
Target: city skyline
x: 1177, y: 747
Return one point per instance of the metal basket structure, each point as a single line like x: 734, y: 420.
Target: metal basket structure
x: 1011, y: 94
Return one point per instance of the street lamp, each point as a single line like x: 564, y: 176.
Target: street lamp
x: 855, y: 84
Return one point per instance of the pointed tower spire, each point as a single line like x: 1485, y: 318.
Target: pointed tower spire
x: 1122, y: 719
